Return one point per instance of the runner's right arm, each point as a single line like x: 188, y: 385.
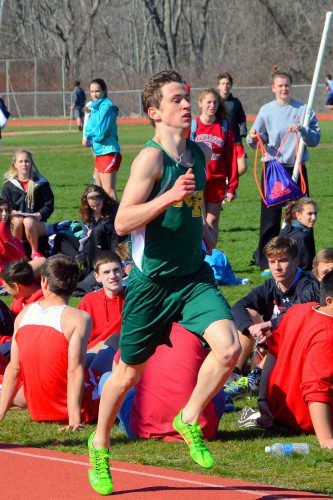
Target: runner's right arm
x: 78, y: 329
x: 134, y: 210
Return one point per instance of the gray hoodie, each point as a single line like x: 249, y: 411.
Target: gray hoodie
x: 272, y: 123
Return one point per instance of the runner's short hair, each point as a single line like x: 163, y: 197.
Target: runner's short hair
x: 18, y: 271
x: 281, y: 245
x: 62, y: 274
x: 105, y: 257
x: 326, y: 288
x: 151, y: 95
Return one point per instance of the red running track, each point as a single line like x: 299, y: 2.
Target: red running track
x: 133, y: 121
x: 36, y: 474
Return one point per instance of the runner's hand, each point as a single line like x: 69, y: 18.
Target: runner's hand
x: 230, y: 197
x: 85, y: 142
x: 183, y: 187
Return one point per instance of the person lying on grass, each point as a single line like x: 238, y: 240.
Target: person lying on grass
x: 296, y: 386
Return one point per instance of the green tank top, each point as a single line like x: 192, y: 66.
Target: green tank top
x: 171, y: 244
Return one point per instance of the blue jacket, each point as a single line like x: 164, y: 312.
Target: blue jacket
x: 101, y: 128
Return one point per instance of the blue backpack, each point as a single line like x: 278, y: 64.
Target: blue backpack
x: 194, y: 126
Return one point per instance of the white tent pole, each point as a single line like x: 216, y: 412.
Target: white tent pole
x: 313, y: 91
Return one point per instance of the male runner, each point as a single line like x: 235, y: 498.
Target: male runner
x: 162, y: 208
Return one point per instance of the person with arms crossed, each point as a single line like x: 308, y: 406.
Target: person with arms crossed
x: 162, y: 208
x: 100, y: 131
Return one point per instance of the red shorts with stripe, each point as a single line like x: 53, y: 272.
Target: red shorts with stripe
x: 215, y: 190
x: 105, y: 164
x: 240, y: 151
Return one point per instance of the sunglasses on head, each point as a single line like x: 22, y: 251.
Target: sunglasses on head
x: 94, y: 197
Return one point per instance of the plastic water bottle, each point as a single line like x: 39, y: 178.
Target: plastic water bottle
x: 288, y: 449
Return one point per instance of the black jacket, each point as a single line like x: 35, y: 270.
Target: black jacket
x: 236, y: 117
x: 13, y: 192
x: 269, y: 301
x: 305, y: 243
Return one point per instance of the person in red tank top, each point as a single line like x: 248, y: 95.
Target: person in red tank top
x: 56, y: 386
x: 214, y: 130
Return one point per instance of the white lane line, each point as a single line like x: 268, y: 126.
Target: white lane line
x: 138, y: 473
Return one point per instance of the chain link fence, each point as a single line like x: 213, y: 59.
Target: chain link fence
x: 36, y: 88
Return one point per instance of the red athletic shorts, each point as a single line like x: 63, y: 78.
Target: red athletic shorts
x: 240, y: 151
x: 107, y: 163
x: 215, y: 190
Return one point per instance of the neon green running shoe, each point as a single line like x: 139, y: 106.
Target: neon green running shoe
x: 192, y: 435
x: 99, y: 475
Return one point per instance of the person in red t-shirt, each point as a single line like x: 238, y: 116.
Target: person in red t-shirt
x: 106, y: 305
x: 49, y: 350
x: 19, y: 281
x: 297, y: 379
x: 213, y: 129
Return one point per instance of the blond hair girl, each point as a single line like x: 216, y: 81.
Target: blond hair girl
x: 31, y: 198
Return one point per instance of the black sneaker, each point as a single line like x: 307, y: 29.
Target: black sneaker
x: 254, y: 378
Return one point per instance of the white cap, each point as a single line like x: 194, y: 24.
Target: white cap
x: 267, y: 449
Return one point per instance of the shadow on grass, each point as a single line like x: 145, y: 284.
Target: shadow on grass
x: 240, y: 229
x: 255, y: 432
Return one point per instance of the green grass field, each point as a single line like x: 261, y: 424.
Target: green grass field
x: 239, y: 453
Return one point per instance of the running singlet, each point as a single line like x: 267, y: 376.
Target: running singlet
x: 43, y: 351
x: 171, y: 244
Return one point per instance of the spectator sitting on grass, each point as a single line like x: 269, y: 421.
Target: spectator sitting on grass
x: 20, y: 282
x: 31, y: 198
x: 124, y: 253
x: 300, y: 217
x: 105, y: 306
x: 49, y: 351
x: 322, y: 265
x: 262, y: 306
x: 297, y: 380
